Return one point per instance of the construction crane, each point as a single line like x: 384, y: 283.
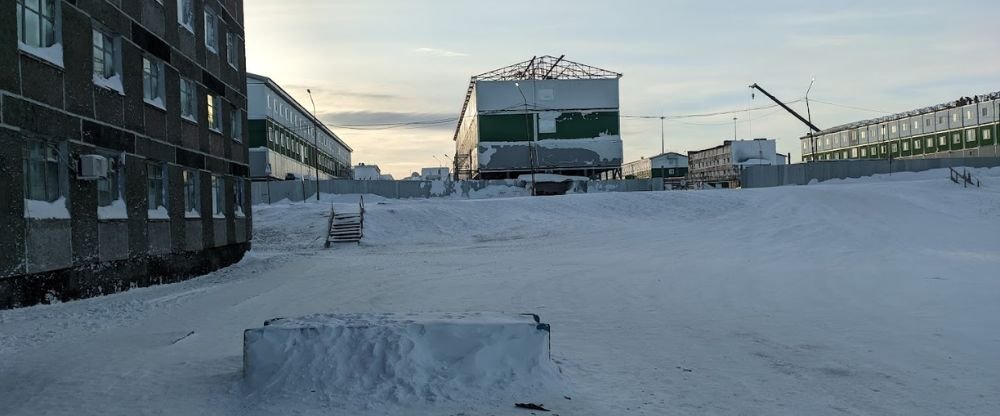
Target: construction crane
x: 812, y: 127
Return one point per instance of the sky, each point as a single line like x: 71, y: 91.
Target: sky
x: 394, y: 61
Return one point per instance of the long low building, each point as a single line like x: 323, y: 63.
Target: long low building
x: 966, y: 127
x: 284, y: 137
x: 664, y: 165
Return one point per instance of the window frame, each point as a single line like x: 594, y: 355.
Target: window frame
x: 47, y: 44
x: 47, y: 155
x: 149, y: 75
x: 239, y: 196
x: 211, y: 30
x: 185, y: 11
x: 236, y: 123
x: 191, y: 181
x: 232, y: 50
x: 218, y: 197
x: 188, y: 92
x: 157, y: 191
x: 213, y: 111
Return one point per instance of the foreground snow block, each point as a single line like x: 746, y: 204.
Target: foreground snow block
x: 399, y: 357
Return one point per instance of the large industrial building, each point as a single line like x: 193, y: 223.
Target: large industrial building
x: 665, y: 165
x: 720, y: 166
x: 284, y: 137
x: 121, y: 145
x: 966, y: 127
x: 544, y: 115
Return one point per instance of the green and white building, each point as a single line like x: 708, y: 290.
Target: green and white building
x: 286, y: 141
x: 544, y: 115
x: 966, y: 127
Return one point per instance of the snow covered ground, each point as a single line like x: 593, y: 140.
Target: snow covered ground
x: 866, y: 297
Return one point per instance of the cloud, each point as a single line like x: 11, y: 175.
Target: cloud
x: 849, y: 16
x: 431, y: 121
x: 333, y: 92
x: 440, y: 52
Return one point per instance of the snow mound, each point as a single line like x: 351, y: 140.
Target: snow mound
x: 399, y: 358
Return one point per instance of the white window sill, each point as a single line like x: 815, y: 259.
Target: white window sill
x: 236, y: 67
x: 158, y: 214
x: 157, y: 102
x: 189, y: 119
x: 211, y: 49
x: 186, y: 26
x: 45, y: 210
x: 237, y: 140
x: 192, y: 214
x: 113, y: 84
x: 116, y: 211
x: 52, y: 54
x: 240, y: 214
x: 215, y: 130
x: 219, y: 216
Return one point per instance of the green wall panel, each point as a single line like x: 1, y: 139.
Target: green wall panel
x: 506, y: 127
x: 577, y: 125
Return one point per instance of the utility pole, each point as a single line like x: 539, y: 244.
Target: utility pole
x: 315, y: 142
x: 531, y: 138
x: 812, y: 138
x: 734, y: 128
x: 663, y: 146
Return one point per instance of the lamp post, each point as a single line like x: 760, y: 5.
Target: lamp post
x: 812, y: 138
x: 531, y: 140
x: 315, y: 142
x: 663, y: 146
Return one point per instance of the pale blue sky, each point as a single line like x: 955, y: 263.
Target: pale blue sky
x: 404, y: 60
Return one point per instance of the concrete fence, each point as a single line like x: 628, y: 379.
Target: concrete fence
x: 295, y: 191
x: 804, y: 173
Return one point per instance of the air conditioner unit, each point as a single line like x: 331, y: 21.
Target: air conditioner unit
x: 92, y: 167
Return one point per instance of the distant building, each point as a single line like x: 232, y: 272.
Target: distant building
x: 666, y: 165
x: 720, y: 166
x: 544, y: 115
x: 284, y: 137
x: 363, y: 172
x: 434, y: 174
x: 966, y: 127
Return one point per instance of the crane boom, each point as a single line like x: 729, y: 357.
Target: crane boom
x: 787, y: 108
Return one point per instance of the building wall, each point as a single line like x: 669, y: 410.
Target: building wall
x: 722, y: 164
x: 556, y: 126
x: 961, y: 131
x: 73, y: 249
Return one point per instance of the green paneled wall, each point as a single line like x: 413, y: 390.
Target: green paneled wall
x: 584, y: 126
x: 257, y: 130
x: 506, y: 127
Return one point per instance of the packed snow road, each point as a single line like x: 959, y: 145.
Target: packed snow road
x: 880, y: 297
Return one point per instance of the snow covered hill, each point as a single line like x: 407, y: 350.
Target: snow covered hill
x: 874, y: 296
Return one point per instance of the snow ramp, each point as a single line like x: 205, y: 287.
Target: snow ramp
x: 399, y: 358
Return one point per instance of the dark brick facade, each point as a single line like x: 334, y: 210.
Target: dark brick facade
x: 60, y: 104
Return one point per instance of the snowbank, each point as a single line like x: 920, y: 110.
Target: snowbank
x: 399, y: 358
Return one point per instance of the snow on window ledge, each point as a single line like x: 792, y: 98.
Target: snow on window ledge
x: 160, y: 213
x: 215, y: 130
x: 115, y: 211
x: 189, y: 119
x: 189, y: 28
x: 45, y: 209
x: 156, y: 102
x: 219, y: 216
x: 239, y: 214
x: 52, y: 54
x: 192, y: 214
x: 114, y: 83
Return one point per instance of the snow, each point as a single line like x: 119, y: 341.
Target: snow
x: 192, y: 214
x: 871, y: 296
x: 114, y: 83
x: 117, y: 210
x: 45, y: 209
x: 156, y: 102
x: 53, y: 54
x: 399, y: 358
x: 550, y: 177
x: 160, y: 213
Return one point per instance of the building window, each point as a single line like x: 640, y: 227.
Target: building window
x: 192, y: 194
x: 927, y: 122
x: 107, y: 61
x: 954, y: 118
x: 894, y: 148
x: 970, y: 136
x: 986, y: 112
x: 36, y: 23
x: 956, y: 138
x: 218, y: 198
x: 893, y: 129
x: 238, y: 200
x: 916, y: 145
x: 942, y: 140
x: 152, y: 82
x: 233, y: 50
x: 236, y: 123
x: 214, y: 112
x: 109, y: 189
x: 942, y: 120
x: 211, y: 30
x: 916, y: 126
x: 156, y: 190
x: 969, y: 114
x: 863, y: 135
x: 189, y: 100
x: 986, y: 134
x: 185, y: 14
x: 906, y: 146
x: 41, y: 172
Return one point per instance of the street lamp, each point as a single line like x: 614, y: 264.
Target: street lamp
x: 812, y: 138
x: 531, y: 140
x: 315, y: 142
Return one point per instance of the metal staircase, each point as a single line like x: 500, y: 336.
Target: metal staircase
x: 346, y: 226
x: 964, y: 178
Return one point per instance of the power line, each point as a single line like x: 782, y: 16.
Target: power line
x: 852, y: 107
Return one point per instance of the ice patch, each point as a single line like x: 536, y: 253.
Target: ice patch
x: 399, y: 358
x: 46, y: 210
x: 117, y: 210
